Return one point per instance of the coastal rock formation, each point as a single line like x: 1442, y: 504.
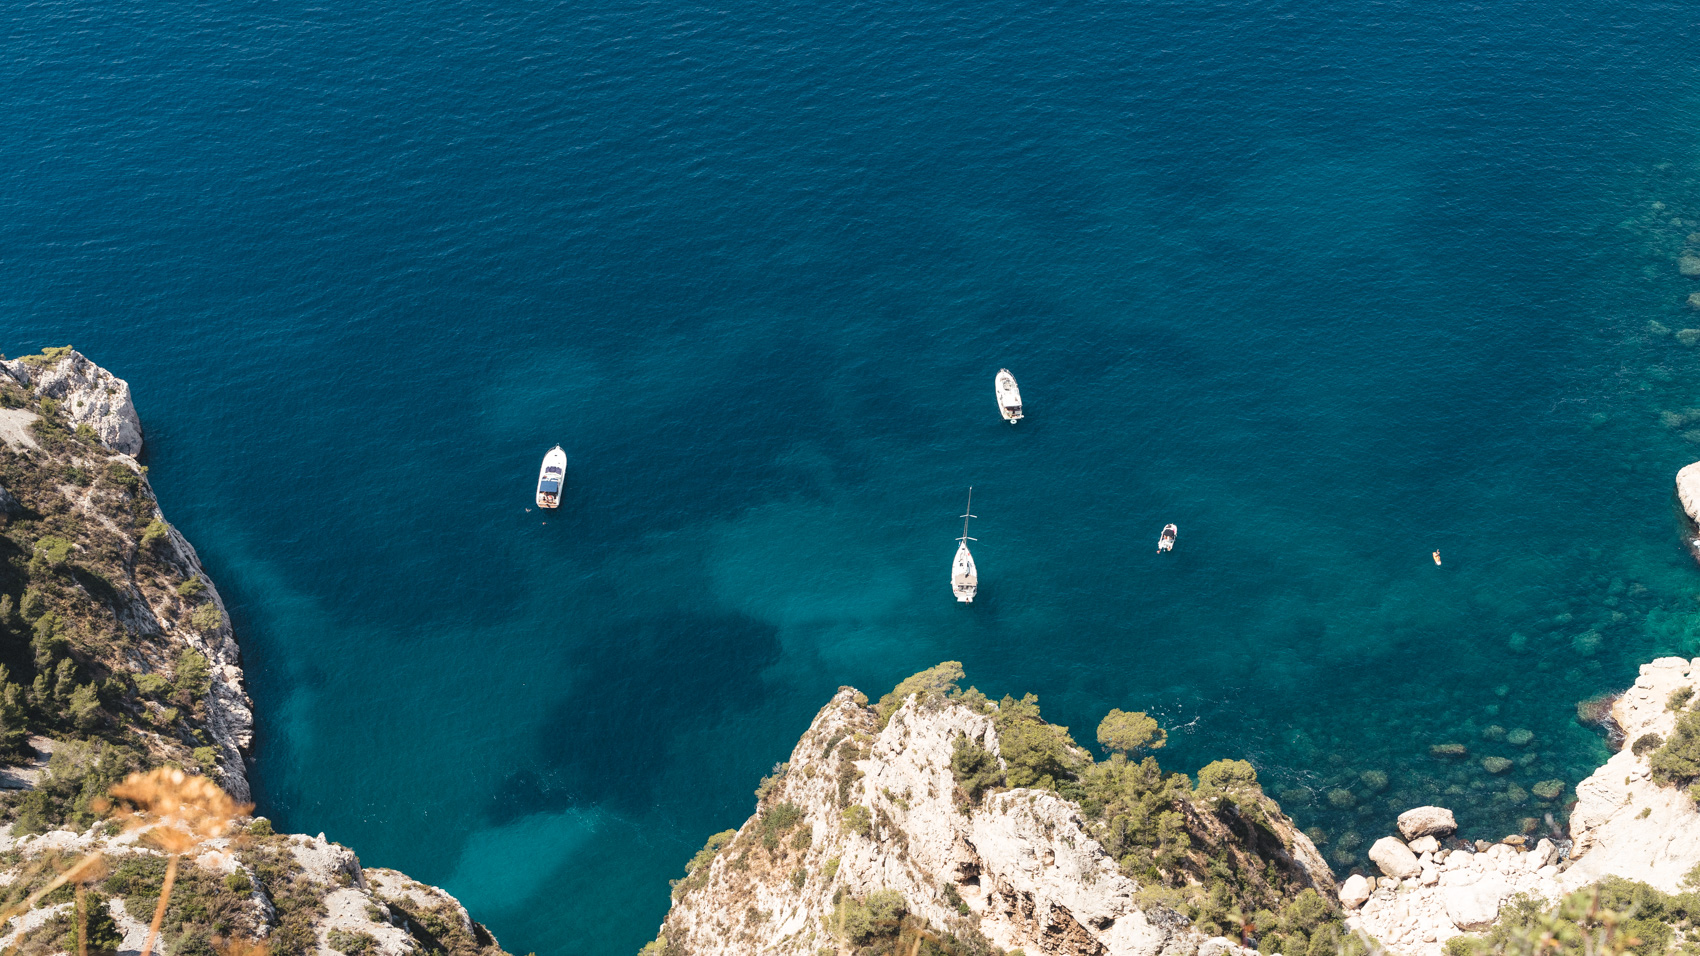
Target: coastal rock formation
x: 1624, y: 824
x: 302, y: 893
x: 124, y: 659
x: 1394, y: 858
x: 1688, y: 490
x: 865, y: 813
x: 88, y: 394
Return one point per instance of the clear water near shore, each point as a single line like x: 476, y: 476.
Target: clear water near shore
x: 1329, y: 286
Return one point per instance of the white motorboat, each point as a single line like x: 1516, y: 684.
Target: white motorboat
x: 1009, y: 397
x: 1167, y: 541
x: 964, y: 579
x: 551, y: 477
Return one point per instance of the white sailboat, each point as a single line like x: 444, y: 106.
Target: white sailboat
x: 1009, y: 397
x: 964, y: 579
x: 550, y: 477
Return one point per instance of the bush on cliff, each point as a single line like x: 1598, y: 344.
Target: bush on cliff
x: 1039, y: 754
x: 935, y: 683
x: 1126, y: 733
x: 1614, y: 917
x: 1677, y: 762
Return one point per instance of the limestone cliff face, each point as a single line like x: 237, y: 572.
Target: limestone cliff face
x: 1019, y: 867
x: 89, y: 395
x: 125, y: 599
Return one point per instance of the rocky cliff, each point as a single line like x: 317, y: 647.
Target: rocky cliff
x: 1626, y: 823
x: 117, y: 655
x: 904, y: 832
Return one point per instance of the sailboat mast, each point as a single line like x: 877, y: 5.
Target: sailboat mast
x: 966, y: 515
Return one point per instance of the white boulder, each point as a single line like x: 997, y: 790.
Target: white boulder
x: 1355, y: 892
x: 1395, y: 858
x: 1425, y: 844
x: 1475, y: 906
x: 1426, y: 821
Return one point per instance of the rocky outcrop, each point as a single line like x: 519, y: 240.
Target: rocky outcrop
x: 310, y: 893
x: 881, y: 810
x: 1688, y: 490
x: 1623, y: 824
x: 87, y: 394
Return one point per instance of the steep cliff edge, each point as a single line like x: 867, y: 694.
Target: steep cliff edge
x: 116, y: 656
x: 898, y: 823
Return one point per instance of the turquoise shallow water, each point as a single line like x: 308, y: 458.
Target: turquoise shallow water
x: 1329, y: 285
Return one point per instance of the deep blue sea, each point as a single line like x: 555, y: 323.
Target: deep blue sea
x: 1329, y: 284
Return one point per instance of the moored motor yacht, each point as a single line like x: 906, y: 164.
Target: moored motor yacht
x: 1167, y: 541
x: 551, y: 477
x: 1009, y: 396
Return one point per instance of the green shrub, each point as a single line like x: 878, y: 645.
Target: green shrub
x: 193, y: 680
x: 1677, y: 761
x: 155, y: 532
x: 799, y: 876
x: 1614, y: 917
x: 1646, y: 743
x: 1038, y: 754
x: 152, y: 685
x: 1226, y: 776
x: 936, y: 683
x: 100, y: 931
x: 858, y: 819
x: 776, y: 821
x: 1126, y: 733
x: 771, y: 781
x: 48, y: 358
x: 119, y: 474
x: 1679, y: 698
x: 238, y: 882
x: 53, y: 552
x: 206, y: 758
x: 354, y: 944
x: 696, y: 871
x: 975, y: 768
x: 192, y: 587
x: 261, y: 827
x: 207, y: 617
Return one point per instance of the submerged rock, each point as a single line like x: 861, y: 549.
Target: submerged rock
x: 1689, y: 265
x: 1495, y: 764
x: 1688, y: 336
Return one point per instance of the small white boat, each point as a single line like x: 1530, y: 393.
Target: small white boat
x: 1009, y: 397
x: 964, y: 579
x: 551, y: 477
x: 1167, y: 541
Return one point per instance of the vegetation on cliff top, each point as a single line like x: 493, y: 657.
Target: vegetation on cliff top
x: 1614, y: 917
x: 84, y: 565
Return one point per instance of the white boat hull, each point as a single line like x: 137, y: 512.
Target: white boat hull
x: 1009, y: 396
x: 551, y: 478
x: 1166, y: 541
x: 964, y: 579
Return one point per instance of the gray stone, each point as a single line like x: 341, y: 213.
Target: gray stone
x: 1395, y: 858
x: 1424, y: 821
x: 8, y: 504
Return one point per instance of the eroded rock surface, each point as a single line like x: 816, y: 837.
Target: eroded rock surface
x: 88, y: 394
x: 1018, y: 867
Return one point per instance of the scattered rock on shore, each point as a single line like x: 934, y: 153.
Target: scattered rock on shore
x: 1427, y: 821
x: 1395, y: 858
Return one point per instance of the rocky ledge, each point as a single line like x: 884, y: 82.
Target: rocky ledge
x: 871, y: 826
x: 1625, y: 823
